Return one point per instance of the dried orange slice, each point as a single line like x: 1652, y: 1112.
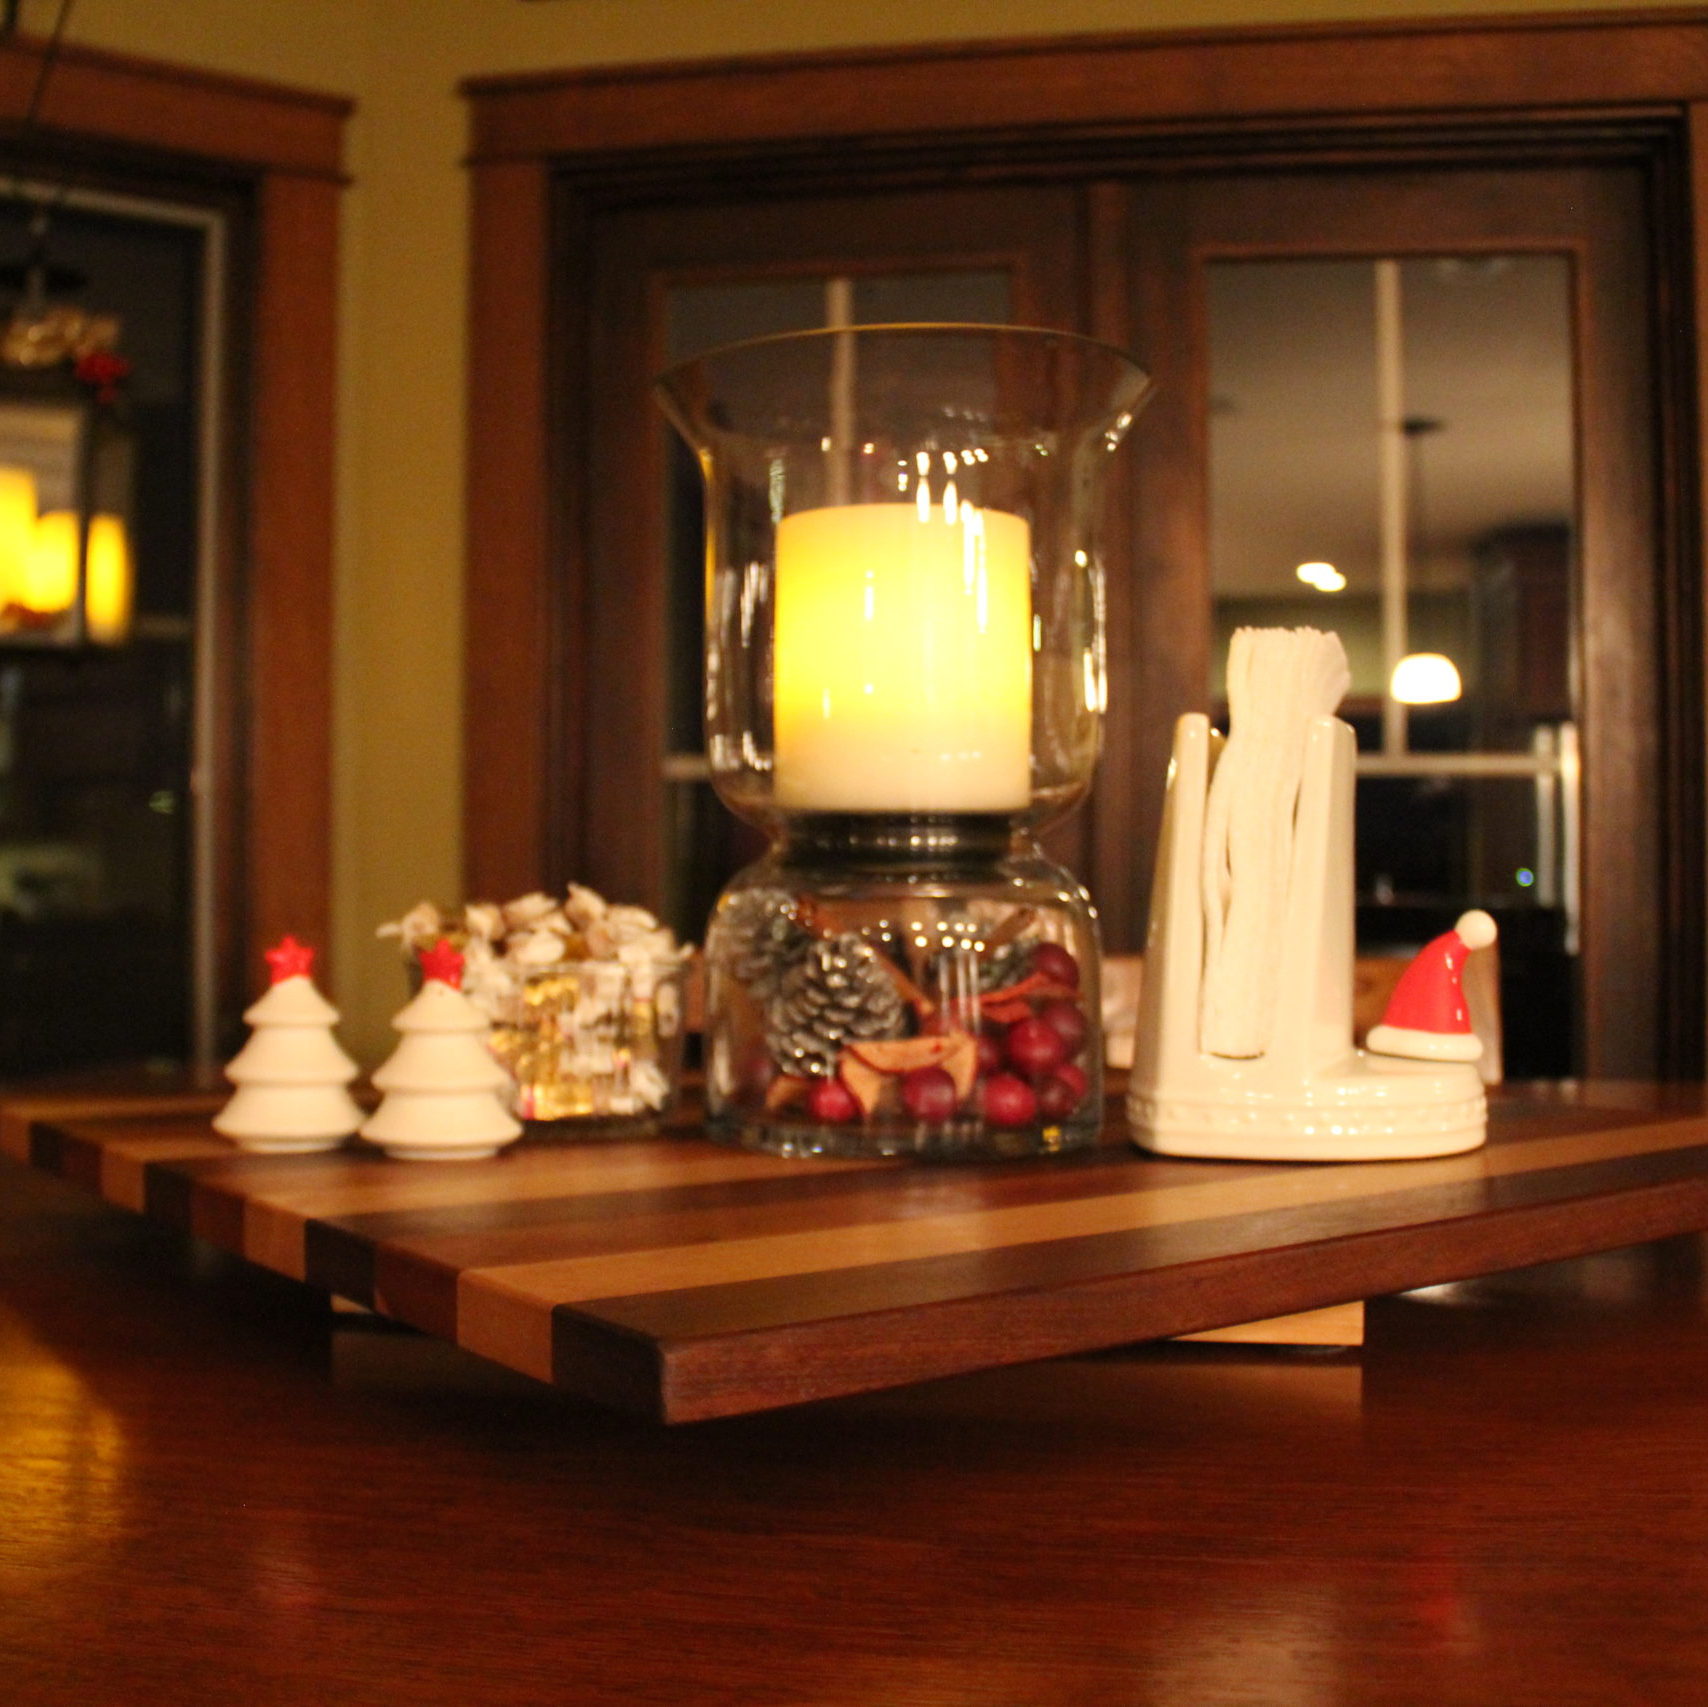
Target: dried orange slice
x: 865, y: 1083
x: 1033, y: 987
x: 961, y: 1062
x: 903, y: 1054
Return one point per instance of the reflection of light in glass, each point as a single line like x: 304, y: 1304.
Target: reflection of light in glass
x: 1524, y: 877
x: 47, y: 582
x: 1323, y: 576
x: 109, y: 583
x: 17, y: 523
x: 1425, y: 678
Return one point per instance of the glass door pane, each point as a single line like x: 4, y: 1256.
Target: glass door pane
x: 98, y: 824
x: 1391, y: 458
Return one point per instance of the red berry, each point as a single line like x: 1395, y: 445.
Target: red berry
x: 1034, y: 1047
x: 1050, y: 960
x: 1058, y: 1096
x: 1071, y: 1073
x: 831, y: 1101
x: 990, y: 1054
x: 1007, y: 1101
x: 1068, y: 1021
x: 928, y: 1093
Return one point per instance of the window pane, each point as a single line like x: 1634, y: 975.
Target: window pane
x: 980, y: 299
x: 701, y: 317
x: 1391, y: 457
x: 96, y: 805
x: 1294, y: 471
x: 1488, y: 410
x: 1476, y: 546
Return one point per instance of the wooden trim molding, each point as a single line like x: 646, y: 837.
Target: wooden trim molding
x: 143, y: 103
x: 1196, y: 78
x: 283, y: 150
x: 288, y: 639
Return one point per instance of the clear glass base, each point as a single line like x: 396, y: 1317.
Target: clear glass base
x: 924, y: 1141
x: 904, y: 987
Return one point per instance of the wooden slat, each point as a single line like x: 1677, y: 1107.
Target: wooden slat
x: 686, y: 1280
x: 1339, y: 1324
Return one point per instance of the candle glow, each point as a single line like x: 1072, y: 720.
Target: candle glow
x: 903, y: 665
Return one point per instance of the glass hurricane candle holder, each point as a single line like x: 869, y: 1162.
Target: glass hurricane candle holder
x: 904, y: 685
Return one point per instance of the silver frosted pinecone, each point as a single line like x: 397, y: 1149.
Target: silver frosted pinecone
x: 840, y: 992
x: 1006, y: 965
x: 761, y: 939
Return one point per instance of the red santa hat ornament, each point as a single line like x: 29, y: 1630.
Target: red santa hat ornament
x: 1427, y: 1018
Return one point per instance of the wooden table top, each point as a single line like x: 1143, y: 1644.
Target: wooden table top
x: 682, y: 1280
x: 212, y: 1490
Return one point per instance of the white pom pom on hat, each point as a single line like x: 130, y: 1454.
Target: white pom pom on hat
x: 1476, y: 929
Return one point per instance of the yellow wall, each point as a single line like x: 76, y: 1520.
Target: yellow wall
x: 401, y: 398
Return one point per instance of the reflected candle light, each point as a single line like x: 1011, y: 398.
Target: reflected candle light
x: 49, y: 581
x: 903, y: 659
x: 110, y: 585
x: 47, y: 585
x: 17, y: 527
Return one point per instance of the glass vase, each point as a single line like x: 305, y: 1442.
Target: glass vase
x: 904, y: 686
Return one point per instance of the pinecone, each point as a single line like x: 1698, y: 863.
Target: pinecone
x: 1007, y: 965
x: 761, y: 939
x: 839, y: 991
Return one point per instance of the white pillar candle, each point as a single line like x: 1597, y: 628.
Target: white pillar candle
x: 903, y: 667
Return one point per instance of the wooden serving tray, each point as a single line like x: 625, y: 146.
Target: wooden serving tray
x: 683, y: 1280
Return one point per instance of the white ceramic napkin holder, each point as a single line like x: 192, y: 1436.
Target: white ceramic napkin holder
x: 1311, y: 1096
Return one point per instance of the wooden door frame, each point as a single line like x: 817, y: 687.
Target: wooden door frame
x: 549, y: 149
x: 281, y: 151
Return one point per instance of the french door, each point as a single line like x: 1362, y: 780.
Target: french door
x: 1532, y: 533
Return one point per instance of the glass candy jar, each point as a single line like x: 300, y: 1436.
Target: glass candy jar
x: 596, y: 1041
x: 904, y: 685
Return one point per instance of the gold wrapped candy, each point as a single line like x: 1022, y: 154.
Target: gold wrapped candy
x: 594, y: 1039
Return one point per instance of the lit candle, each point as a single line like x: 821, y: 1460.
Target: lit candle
x: 903, y: 666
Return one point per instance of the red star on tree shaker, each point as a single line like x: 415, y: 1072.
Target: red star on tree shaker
x: 290, y: 959
x: 444, y: 963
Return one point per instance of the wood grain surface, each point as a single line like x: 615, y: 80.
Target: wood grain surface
x: 214, y: 1491
x: 679, y: 1279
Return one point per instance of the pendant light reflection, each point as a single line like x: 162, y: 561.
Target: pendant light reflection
x: 1425, y: 678
x: 1323, y: 576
